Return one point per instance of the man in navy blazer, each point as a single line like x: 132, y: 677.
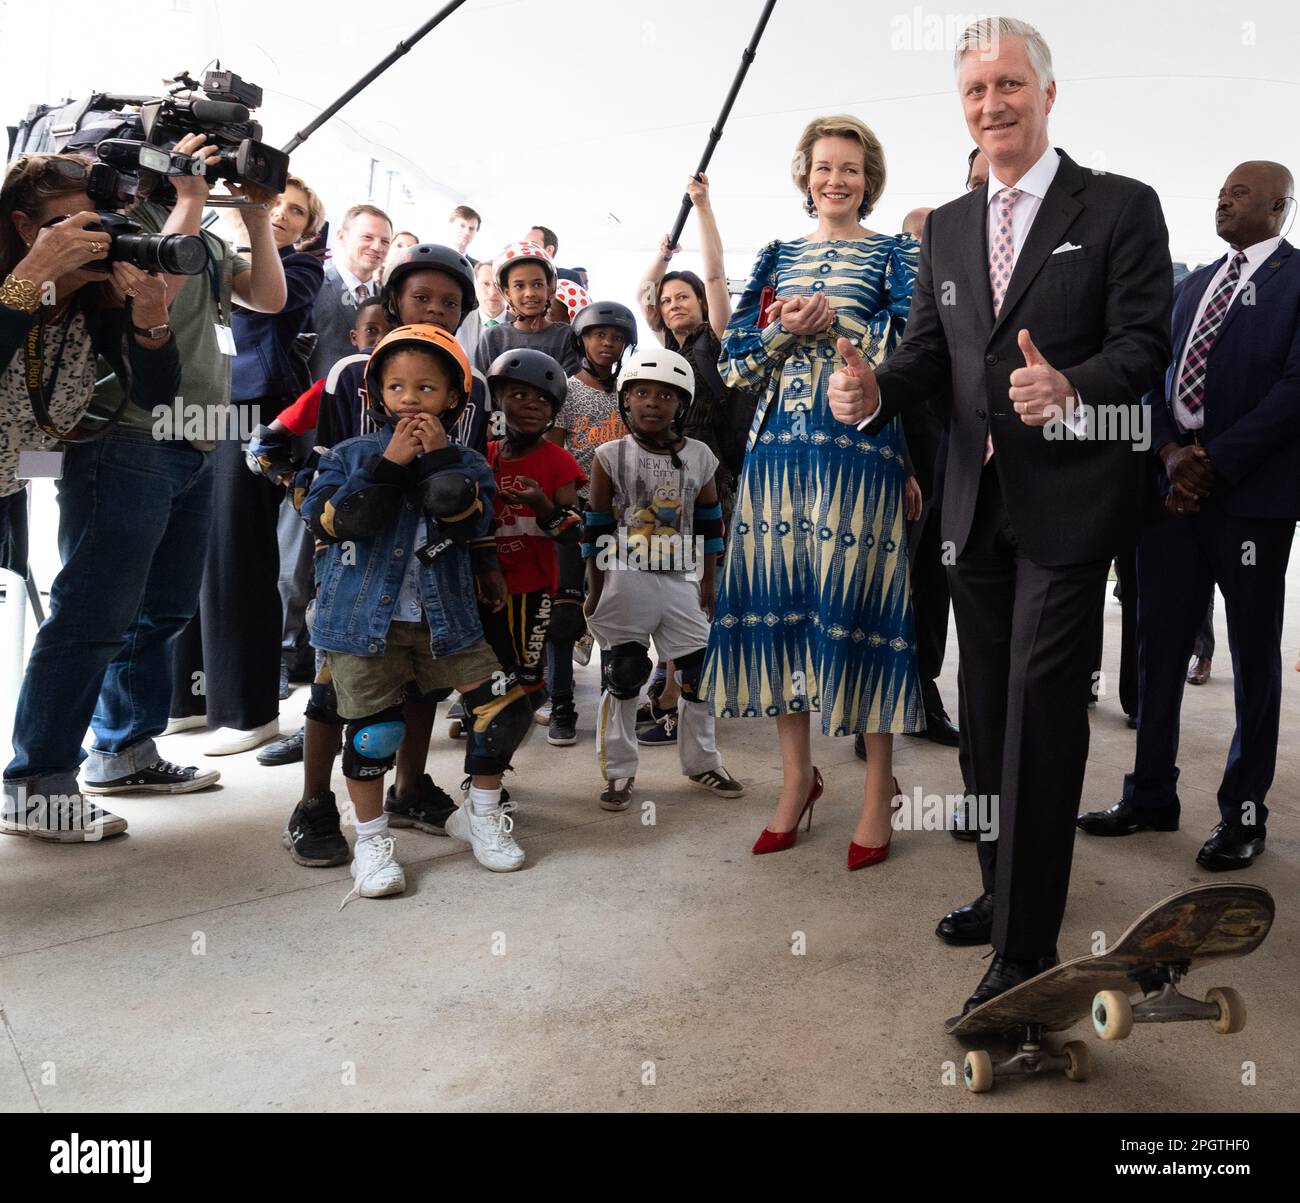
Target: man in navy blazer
x: 1226, y: 492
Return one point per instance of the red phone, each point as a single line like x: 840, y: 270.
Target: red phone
x: 765, y: 299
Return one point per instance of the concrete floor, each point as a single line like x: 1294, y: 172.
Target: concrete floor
x: 192, y: 965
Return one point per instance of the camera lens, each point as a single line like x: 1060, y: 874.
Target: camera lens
x: 175, y: 254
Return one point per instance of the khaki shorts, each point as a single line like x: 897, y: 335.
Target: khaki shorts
x: 366, y: 685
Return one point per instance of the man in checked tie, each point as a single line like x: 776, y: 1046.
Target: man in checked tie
x: 1226, y: 429
x: 1041, y: 295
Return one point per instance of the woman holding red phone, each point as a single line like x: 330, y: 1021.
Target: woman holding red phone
x: 814, y: 607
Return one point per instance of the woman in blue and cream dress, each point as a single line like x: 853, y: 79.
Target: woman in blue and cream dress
x: 814, y: 610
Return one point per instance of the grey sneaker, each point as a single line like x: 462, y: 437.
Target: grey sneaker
x: 617, y: 794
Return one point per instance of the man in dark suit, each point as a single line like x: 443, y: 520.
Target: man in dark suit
x: 1040, y: 298
x: 1226, y: 430
x: 360, y: 249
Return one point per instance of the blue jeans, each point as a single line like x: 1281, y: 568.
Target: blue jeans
x: 134, y: 515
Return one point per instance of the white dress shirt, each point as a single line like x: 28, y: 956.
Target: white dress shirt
x: 1255, y: 255
x: 1033, y: 186
x: 351, y: 283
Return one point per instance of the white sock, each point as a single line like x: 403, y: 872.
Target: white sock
x: 372, y: 828
x: 484, y: 801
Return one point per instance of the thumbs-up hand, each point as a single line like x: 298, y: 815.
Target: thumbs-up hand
x: 1038, y: 392
x: 853, y: 394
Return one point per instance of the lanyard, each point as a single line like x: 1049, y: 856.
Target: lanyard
x: 40, y: 394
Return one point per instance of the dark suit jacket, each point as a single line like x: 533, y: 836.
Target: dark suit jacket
x: 1252, y: 390
x: 332, y: 319
x: 1100, y: 315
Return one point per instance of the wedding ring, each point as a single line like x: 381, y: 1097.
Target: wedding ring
x: 131, y: 292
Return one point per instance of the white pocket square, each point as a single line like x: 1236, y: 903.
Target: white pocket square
x: 1066, y: 246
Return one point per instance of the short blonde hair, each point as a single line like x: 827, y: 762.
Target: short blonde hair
x: 842, y: 125
x: 315, y: 208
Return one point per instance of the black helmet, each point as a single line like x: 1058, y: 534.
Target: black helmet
x: 604, y: 313
x: 530, y: 367
x: 429, y: 256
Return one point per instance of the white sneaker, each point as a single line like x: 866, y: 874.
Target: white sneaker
x: 543, y: 715
x: 188, y: 722
x: 375, y: 871
x: 227, y: 741
x: 489, y: 836
x: 582, y: 649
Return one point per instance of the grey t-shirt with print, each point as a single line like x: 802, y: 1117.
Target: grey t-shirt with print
x: 653, y: 502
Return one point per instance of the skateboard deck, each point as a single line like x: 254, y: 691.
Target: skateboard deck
x: 1178, y: 934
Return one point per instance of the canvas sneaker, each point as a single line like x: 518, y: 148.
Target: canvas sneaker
x: 161, y: 777
x: 662, y: 734
x: 60, y: 819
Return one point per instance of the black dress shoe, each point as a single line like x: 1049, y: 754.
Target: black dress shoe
x: 1124, y: 819
x: 1231, y: 846
x: 965, y: 823
x: 1131, y: 721
x: 1004, y: 973
x: 969, y: 924
x: 283, y: 751
x: 939, y: 729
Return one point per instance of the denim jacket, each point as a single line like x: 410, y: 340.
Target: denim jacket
x: 368, y: 510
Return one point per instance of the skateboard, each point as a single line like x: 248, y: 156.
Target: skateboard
x: 1177, y: 935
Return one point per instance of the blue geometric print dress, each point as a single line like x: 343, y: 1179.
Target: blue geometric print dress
x: 814, y: 607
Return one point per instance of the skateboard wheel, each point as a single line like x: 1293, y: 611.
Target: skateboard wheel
x: 456, y: 729
x: 1112, y: 1014
x: 978, y: 1072
x: 1232, y: 1010
x: 1079, y: 1068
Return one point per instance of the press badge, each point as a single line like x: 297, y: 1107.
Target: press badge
x: 40, y: 465
x: 225, y: 339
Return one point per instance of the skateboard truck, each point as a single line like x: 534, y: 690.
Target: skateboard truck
x: 1113, y: 1015
x: 1032, y: 1056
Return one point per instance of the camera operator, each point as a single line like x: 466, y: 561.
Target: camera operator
x: 239, y: 602
x: 56, y: 317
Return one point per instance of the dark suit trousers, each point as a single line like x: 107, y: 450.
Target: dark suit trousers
x: 1027, y: 635
x: 930, y: 604
x: 1179, y: 562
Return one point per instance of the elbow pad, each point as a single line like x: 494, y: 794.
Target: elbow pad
x: 363, y: 514
x: 451, y: 499
x: 564, y: 525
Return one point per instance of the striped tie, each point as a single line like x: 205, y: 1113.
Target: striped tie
x: 1002, y: 261
x: 1190, y: 389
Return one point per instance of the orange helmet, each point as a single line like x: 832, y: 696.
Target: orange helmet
x: 426, y: 338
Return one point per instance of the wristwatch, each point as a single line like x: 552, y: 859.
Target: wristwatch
x: 22, y: 295
x: 154, y: 332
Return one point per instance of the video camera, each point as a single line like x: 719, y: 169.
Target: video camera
x: 134, y: 138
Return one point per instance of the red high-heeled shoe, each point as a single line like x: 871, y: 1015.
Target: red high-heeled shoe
x: 860, y: 856
x: 779, y: 841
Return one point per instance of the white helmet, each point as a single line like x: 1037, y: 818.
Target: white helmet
x: 659, y: 364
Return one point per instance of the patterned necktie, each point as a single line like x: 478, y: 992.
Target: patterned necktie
x: 1001, y: 263
x: 1191, y: 381
x: 363, y: 292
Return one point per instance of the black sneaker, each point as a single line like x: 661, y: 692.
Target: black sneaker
x: 720, y: 782
x: 313, y: 836
x: 662, y: 733
x: 161, y: 777
x: 563, y: 727
x: 283, y: 751
x: 428, y: 811
x: 649, y: 713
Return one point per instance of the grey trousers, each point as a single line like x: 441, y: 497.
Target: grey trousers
x: 296, y: 548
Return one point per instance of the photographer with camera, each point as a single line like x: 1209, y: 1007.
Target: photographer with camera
x: 240, y: 615
x: 61, y: 308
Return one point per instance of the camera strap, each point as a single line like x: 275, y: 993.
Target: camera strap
x: 40, y: 394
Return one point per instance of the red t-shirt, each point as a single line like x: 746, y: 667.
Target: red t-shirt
x: 527, y: 555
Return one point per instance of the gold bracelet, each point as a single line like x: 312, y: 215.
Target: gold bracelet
x: 21, y: 295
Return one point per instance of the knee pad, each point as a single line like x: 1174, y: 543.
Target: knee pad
x: 628, y: 669
x: 324, y: 703
x: 370, y: 744
x: 688, y: 670
x: 495, y: 725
